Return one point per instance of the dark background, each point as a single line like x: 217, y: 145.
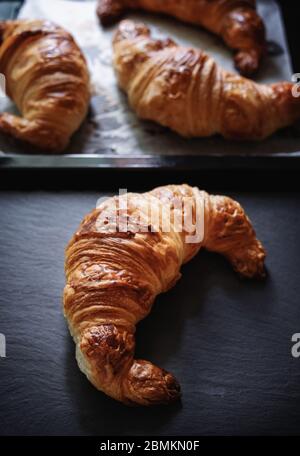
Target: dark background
x: 228, y: 341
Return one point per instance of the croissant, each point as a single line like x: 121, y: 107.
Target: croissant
x: 47, y: 78
x: 236, y: 21
x: 122, y: 257
x: 185, y: 90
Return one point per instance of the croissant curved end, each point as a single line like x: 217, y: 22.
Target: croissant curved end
x: 105, y: 356
x: 247, y: 62
x: 150, y: 385
x: 109, y: 11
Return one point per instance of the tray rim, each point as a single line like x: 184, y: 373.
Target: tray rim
x: 284, y: 161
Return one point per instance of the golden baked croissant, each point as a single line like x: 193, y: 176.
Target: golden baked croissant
x: 185, y: 90
x: 122, y: 257
x: 236, y: 21
x: 47, y: 77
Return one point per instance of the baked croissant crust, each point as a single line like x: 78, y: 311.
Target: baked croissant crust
x: 185, y: 90
x: 119, y: 260
x: 236, y: 21
x: 47, y: 78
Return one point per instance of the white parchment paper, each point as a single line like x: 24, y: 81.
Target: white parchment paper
x: 112, y: 127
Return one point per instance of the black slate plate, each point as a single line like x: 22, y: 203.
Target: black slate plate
x: 89, y: 150
x: 228, y: 341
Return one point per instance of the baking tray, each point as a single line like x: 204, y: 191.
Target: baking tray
x: 228, y: 341
x: 280, y: 151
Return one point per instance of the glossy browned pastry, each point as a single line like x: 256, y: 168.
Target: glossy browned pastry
x: 47, y: 77
x: 114, y: 273
x: 236, y: 21
x: 185, y: 90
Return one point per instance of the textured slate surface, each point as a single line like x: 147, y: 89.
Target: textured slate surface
x: 227, y: 341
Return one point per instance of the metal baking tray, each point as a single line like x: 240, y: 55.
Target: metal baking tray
x: 280, y: 151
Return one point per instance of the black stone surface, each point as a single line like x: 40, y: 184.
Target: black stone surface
x: 228, y: 341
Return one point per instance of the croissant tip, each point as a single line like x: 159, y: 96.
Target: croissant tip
x: 151, y: 386
x: 173, y: 388
x: 247, y: 62
x: 109, y: 12
x: 260, y: 274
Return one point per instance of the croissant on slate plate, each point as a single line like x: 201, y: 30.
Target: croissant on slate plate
x: 185, y: 90
x: 122, y: 257
x: 48, y: 79
x: 236, y: 21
